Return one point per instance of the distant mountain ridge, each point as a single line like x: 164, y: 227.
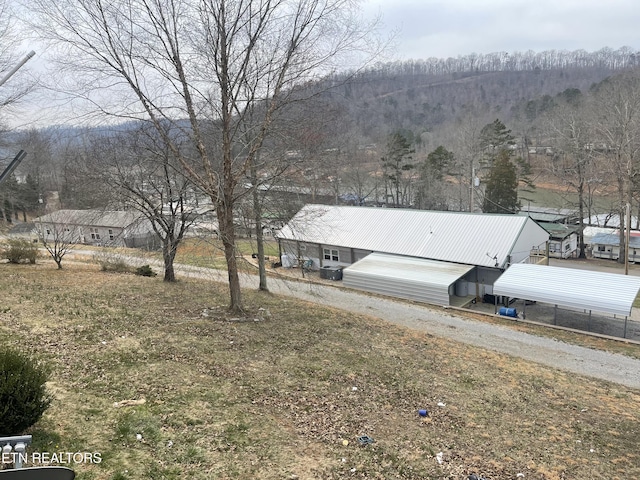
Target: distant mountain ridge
x: 428, y: 95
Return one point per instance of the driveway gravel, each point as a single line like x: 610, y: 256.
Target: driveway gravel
x: 550, y: 352
x: 598, y: 364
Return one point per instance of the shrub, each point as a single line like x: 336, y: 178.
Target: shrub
x: 23, y: 396
x: 20, y: 251
x: 111, y: 262
x: 145, y: 271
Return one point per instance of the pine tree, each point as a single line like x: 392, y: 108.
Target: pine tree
x: 495, y: 138
x: 395, y: 163
x: 501, y: 194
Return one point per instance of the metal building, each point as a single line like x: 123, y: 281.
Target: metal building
x: 474, y: 248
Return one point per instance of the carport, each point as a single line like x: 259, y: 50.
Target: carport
x: 411, y: 278
x: 585, y: 290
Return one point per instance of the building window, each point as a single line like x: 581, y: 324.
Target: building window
x: 330, y: 254
x: 48, y: 231
x: 567, y: 247
x: 94, y: 234
x: 601, y: 248
x: 111, y: 236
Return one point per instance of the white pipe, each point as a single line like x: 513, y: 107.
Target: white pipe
x: 17, y: 67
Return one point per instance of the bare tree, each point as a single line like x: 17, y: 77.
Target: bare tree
x: 616, y: 117
x: 149, y: 180
x: 573, y: 134
x: 468, y: 152
x: 219, y: 70
x: 57, y: 234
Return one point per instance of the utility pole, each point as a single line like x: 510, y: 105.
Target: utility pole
x: 627, y: 238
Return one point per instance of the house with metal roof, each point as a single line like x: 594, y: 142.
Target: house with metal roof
x: 416, y: 254
x: 95, y: 227
x: 607, y: 245
x: 563, y: 239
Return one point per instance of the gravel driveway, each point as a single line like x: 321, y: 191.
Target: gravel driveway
x: 546, y: 351
x: 553, y: 353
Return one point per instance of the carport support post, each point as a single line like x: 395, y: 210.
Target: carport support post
x: 495, y: 304
x: 524, y: 309
x: 625, y: 327
x: 589, y: 320
x: 555, y: 311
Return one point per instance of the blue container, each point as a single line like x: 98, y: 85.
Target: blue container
x: 508, y: 312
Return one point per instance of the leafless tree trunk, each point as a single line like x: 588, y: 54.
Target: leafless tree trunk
x: 230, y: 64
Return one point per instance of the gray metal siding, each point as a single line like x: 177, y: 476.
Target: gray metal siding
x: 417, y: 279
x: 409, y: 290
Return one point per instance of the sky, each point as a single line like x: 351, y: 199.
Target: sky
x: 452, y: 28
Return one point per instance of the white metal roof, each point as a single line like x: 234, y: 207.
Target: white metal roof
x: 570, y: 287
x: 405, y: 277
x: 94, y: 218
x: 469, y: 238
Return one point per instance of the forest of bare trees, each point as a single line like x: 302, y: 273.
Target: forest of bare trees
x: 251, y: 121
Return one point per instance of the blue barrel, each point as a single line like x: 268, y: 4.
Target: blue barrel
x: 508, y: 312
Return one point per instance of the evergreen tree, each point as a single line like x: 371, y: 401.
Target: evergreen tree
x: 501, y: 194
x: 495, y: 138
x: 431, y: 192
x: 394, y: 164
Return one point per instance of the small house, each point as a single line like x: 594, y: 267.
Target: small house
x: 563, y: 240
x: 607, y: 245
x: 96, y: 227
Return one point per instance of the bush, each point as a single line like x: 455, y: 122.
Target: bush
x: 23, y: 396
x: 20, y: 251
x: 112, y: 262
x: 145, y: 271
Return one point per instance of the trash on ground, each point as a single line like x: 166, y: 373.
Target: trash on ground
x: 423, y: 413
x: 365, y: 440
x: 439, y: 456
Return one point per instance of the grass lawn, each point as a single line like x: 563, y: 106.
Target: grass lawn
x: 285, y: 392
x: 209, y: 252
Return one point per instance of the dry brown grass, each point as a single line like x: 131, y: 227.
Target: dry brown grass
x: 271, y: 395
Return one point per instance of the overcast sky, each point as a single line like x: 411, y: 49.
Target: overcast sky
x: 449, y: 28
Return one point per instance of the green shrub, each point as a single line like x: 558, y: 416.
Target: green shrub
x: 145, y: 271
x: 19, y: 250
x: 23, y: 395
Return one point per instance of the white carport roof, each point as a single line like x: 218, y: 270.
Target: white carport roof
x: 570, y: 287
x: 405, y: 277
